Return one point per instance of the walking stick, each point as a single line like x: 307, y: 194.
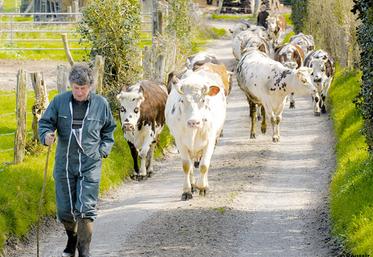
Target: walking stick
x: 42, y: 200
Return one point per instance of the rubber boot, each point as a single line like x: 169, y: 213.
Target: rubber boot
x: 72, y: 239
x: 85, y: 230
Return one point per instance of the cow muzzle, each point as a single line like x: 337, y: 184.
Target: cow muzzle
x: 127, y: 127
x: 192, y: 123
x: 317, y: 80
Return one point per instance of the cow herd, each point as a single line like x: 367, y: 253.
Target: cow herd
x: 193, y: 104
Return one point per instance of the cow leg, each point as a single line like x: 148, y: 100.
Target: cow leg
x: 149, y: 160
x: 202, y: 182
x: 253, y: 118
x: 145, y: 148
x: 316, y: 105
x: 292, y: 101
x: 264, y: 121
x: 187, y: 169
x: 134, y: 157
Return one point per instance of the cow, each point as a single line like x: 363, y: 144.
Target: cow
x: 267, y: 82
x: 248, y: 39
x: 276, y: 28
x: 142, y: 117
x: 195, y: 114
x: 221, y: 70
x: 292, y: 56
x: 197, y: 60
x: 306, y: 42
x: 323, y: 68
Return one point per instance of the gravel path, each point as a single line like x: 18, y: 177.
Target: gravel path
x: 265, y: 199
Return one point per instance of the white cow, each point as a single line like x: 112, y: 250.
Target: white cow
x: 268, y: 82
x: 195, y: 114
x: 323, y: 68
x: 248, y: 39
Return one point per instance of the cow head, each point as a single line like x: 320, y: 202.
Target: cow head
x: 318, y: 72
x: 130, y: 102
x: 194, y: 100
x: 304, y: 77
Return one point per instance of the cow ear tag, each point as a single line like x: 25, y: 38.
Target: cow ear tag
x: 214, y: 90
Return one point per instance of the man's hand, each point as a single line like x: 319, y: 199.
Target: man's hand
x: 49, y: 138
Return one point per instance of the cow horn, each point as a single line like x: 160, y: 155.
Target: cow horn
x: 179, y: 89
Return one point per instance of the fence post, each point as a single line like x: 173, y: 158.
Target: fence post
x: 20, y: 135
x: 76, y: 9
x: 41, y: 102
x: 62, y: 78
x: 98, y: 72
x: 67, y: 49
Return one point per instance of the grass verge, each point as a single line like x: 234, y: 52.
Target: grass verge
x: 351, y: 188
x: 232, y: 17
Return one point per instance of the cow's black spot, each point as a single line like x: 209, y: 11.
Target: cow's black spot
x: 268, y: 77
x: 284, y: 85
x: 254, y: 84
x: 281, y: 76
x: 173, y: 109
x: 273, y: 89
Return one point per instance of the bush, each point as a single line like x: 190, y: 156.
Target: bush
x: 113, y: 28
x: 364, y: 101
x: 298, y: 14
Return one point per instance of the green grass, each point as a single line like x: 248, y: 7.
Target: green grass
x: 10, y: 5
x: 202, y: 37
x: 351, y: 188
x: 287, y: 37
x: 289, y: 21
x: 215, y: 16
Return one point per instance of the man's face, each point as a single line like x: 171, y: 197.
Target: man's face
x: 80, y: 92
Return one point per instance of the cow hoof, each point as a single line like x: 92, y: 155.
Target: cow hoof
x: 292, y: 105
x: 275, y: 139
x: 317, y: 113
x: 259, y: 118
x: 149, y: 174
x: 196, y: 164
x: 203, y: 192
x: 252, y: 136
x: 194, y: 189
x: 323, y: 109
x: 186, y: 196
x: 263, y: 129
x: 134, y: 176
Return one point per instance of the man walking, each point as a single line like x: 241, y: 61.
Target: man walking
x: 84, y: 126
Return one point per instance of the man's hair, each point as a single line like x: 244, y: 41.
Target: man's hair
x: 81, y: 74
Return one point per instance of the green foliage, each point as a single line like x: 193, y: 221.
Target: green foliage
x: 180, y: 23
x: 299, y: 14
x: 364, y: 100
x: 351, y: 188
x: 288, y: 19
x: 113, y: 29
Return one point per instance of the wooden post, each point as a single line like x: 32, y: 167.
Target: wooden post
x: 62, y: 78
x: 76, y: 9
x: 69, y: 10
x: 147, y: 63
x: 67, y: 49
x: 98, y: 72
x: 41, y: 101
x: 20, y: 135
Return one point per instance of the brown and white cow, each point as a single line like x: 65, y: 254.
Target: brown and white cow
x: 292, y: 56
x: 276, y: 28
x: 267, y: 82
x: 223, y: 73
x: 195, y: 114
x: 142, y: 117
x: 306, y: 42
x: 323, y: 68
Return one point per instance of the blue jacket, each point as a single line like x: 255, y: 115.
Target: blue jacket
x: 98, y: 127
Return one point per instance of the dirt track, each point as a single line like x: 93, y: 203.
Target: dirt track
x: 265, y: 199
